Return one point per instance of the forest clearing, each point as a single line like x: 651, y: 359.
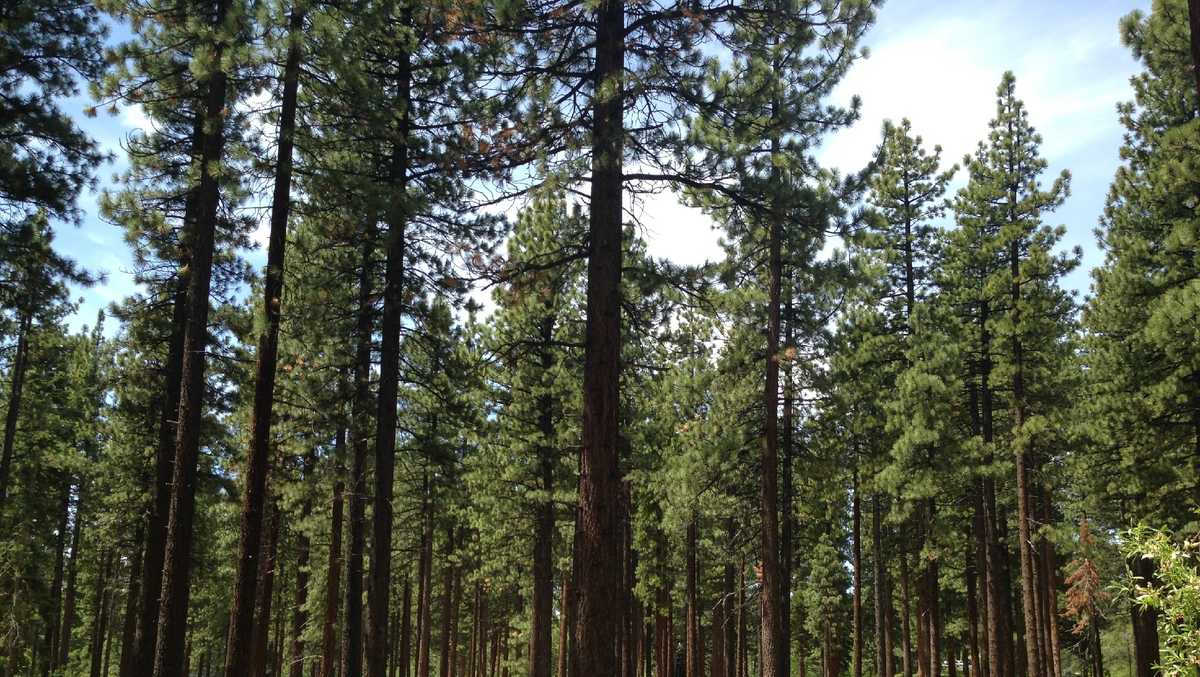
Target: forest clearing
x: 549, y: 338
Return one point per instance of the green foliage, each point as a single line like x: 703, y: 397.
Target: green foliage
x: 1174, y: 593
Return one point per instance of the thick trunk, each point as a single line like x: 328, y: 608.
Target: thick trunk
x: 662, y: 635
x: 597, y: 555
x: 13, y: 413
x: 241, y: 617
x: 333, y: 571
x: 169, y: 655
x: 1145, y: 623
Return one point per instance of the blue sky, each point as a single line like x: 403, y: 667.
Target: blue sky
x: 936, y: 63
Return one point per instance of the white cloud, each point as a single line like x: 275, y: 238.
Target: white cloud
x: 134, y: 117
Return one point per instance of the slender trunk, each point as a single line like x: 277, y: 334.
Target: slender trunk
x: 772, y: 649
x: 404, y: 659
x: 68, y: 617
x: 352, y: 650
x: 264, y: 593
x: 241, y: 616
x: 141, y: 660
x: 856, y: 509
x: 564, y: 626
x: 543, y: 535
x: 906, y: 626
x: 169, y: 655
x: 300, y: 602
x: 692, y: 656
x: 973, y: 625
x: 54, y: 618
x: 426, y: 593
x: 333, y: 572
x: 447, y: 599
x: 132, y: 596
x: 1194, y: 28
x: 99, y: 630
x: 785, y: 512
x: 883, y: 616
x: 13, y: 414
x: 1001, y: 657
x: 743, y: 639
x: 1097, y: 653
x: 597, y: 554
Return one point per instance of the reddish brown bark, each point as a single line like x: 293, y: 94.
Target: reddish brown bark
x: 333, y: 570
x: 174, y: 601
x: 241, y: 617
x: 597, y: 556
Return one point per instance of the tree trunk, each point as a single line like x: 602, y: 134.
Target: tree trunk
x: 564, y: 625
x: 333, y: 572
x: 883, y: 616
x: 13, y: 414
x: 404, y: 657
x: 693, y: 664
x: 1194, y: 28
x: 169, y: 655
x: 352, y: 651
x: 379, y: 591
x: 447, y: 599
x: 970, y: 577
x: 1145, y: 623
x: 772, y: 651
x: 785, y: 511
x: 299, y: 612
x: 132, y: 597
x: 424, y: 614
x: 68, y: 617
x: 53, y: 619
x: 141, y: 660
x: 597, y: 555
x: 241, y: 617
x: 856, y: 509
x: 99, y: 631
x: 543, y: 529
x: 905, y: 621
x: 264, y: 593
